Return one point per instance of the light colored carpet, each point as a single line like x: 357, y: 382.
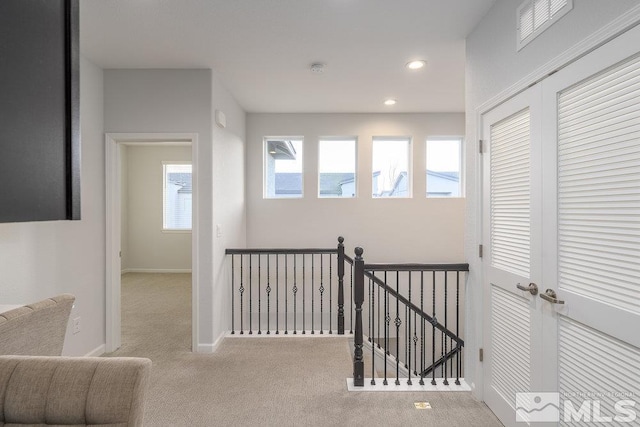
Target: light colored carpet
x: 260, y: 381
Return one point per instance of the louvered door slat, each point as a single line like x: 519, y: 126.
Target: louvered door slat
x: 599, y: 187
x: 510, y: 194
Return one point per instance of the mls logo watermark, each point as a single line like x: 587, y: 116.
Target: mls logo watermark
x: 537, y: 407
x: 577, y: 407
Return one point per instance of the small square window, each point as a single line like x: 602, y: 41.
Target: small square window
x: 444, y: 165
x: 337, y: 167
x: 390, y: 167
x: 283, y: 167
x: 177, y: 196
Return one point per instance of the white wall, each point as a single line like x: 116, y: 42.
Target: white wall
x: 148, y: 247
x: 229, y: 206
x: 390, y: 230
x: 173, y: 101
x: 42, y: 259
x: 493, y: 67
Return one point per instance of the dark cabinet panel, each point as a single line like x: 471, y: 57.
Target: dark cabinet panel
x: 39, y: 110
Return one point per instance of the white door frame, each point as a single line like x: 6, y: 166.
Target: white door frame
x: 113, y: 144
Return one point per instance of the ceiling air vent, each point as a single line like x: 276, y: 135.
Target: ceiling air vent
x: 535, y: 16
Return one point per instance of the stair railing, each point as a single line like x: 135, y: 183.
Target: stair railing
x: 413, y: 321
x: 288, y: 290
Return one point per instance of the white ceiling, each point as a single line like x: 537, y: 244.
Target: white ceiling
x: 262, y: 49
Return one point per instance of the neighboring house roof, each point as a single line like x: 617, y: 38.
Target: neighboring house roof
x: 183, y: 180
x: 451, y: 176
x: 331, y: 183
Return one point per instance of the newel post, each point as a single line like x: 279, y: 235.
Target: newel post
x: 340, y: 285
x: 358, y: 299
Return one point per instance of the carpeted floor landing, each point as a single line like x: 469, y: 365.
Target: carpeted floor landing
x: 260, y: 381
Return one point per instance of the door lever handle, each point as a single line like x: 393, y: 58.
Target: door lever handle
x: 551, y: 296
x: 532, y: 288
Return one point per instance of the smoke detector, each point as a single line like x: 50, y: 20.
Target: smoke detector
x: 317, y: 68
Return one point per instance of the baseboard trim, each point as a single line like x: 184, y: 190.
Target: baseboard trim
x: 155, y: 270
x: 289, y: 334
x: 96, y: 352
x: 211, y: 348
x: 403, y: 386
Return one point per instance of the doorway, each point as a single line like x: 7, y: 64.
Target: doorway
x: 115, y: 146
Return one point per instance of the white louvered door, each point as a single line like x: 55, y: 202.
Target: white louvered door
x: 512, y: 251
x: 591, y: 185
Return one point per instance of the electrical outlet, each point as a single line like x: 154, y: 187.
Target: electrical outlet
x: 76, y: 325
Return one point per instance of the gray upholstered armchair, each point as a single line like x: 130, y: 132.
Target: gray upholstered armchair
x: 36, y: 329
x: 74, y: 391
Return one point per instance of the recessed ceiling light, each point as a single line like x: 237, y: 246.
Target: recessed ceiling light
x: 389, y: 101
x: 415, y: 65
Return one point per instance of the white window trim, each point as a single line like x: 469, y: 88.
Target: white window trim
x: 537, y: 31
x: 164, y: 201
x: 265, y: 195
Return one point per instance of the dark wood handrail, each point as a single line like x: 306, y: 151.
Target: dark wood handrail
x: 281, y: 251
x: 416, y: 267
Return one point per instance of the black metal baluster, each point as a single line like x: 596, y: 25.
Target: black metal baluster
x: 415, y: 343
x: 250, y: 295
x: 295, y: 294
x: 304, y: 311
x: 408, y: 328
x: 268, y: 295
x: 241, y: 289
x: 278, y: 294
x: 370, y: 290
x: 331, y: 293
x: 387, y: 322
x: 322, y: 294
x: 458, y: 365
x: 397, y: 322
x: 259, y: 294
x: 379, y: 336
x: 233, y: 305
x: 312, y: 294
x: 446, y: 380
x: 422, y: 330
x: 340, y: 267
x: 286, y: 294
x: 433, y: 337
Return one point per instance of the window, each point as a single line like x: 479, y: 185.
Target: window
x: 444, y: 165
x: 283, y: 167
x: 390, y: 166
x: 177, y: 196
x: 337, y: 167
x: 535, y: 16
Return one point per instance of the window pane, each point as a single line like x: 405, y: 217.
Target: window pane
x: 177, y: 197
x: 337, y: 167
x: 443, y: 167
x: 390, y: 167
x: 283, y: 167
